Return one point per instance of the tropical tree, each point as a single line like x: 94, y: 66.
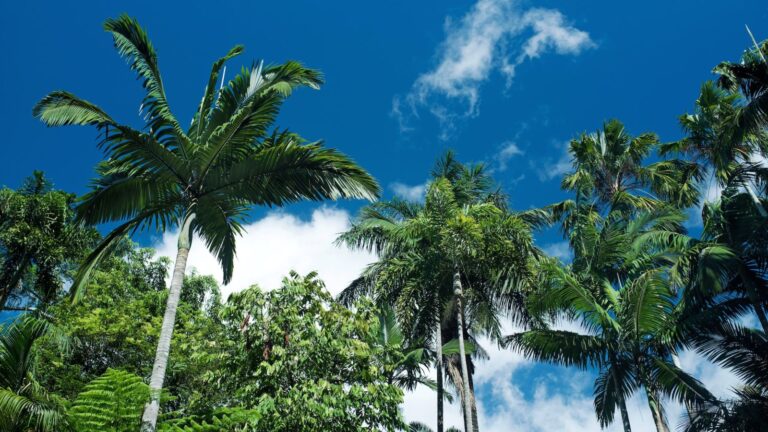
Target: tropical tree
x: 744, y: 351
x: 304, y: 362
x: 717, y: 144
x: 379, y: 229
x: 731, y: 258
x: 204, y: 179
x: 38, y: 242
x: 402, y: 360
x: 618, y: 288
x: 24, y: 404
x: 428, y: 254
x: 749, y: 77
x: 609, y: 172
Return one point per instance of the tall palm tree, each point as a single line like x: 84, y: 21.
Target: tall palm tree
x: 204, y: 179
x: 428, y: 257
x: 619, y: 291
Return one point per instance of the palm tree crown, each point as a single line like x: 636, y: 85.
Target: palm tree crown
x: 225, y: 162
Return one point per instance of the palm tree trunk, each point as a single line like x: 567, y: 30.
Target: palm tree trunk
x: 439, y: 368
x: 473, y: 401
x: 622, y: 402
x: 624, y: 415
x: 654, y: 403
x: 152, y: 409
x: 462, y: 355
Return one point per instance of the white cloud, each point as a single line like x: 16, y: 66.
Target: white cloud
x: 550, y: 168
x: 482, y: 42
x: 718, y: 380
x: 408, y: 192
x: 509, y: 149
x: 560, y: 250
x: 278, y: 243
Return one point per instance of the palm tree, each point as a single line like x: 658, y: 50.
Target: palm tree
x: 745, y: 351
x: 619, y: 290
x: 609, y: 171
x: 24, y: 404
x: 407, y: 358
x: 731, y: 256
x: 205, y: 178
x: 715, y: 142
x: 429, y: 253
x: 749, y: 77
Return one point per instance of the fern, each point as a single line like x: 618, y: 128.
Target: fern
x: 112, y: 402
x: 224, y: 419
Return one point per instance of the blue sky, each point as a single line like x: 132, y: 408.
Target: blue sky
x: 405, y: 81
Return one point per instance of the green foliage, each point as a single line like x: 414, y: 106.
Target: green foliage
x: 224, y: 419
x: 608, y: 167
x: 295, y: 359
x: 306, y: 363
x: 117, y: 325
x: 622, y: 297
x: 111, y: 403
x: 39, y: 241
x: 24, y: 403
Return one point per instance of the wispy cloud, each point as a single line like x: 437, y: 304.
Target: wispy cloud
x: 487, y: 38
x: 409, y: 192
x: 551, y: 168
x: 507, y: 151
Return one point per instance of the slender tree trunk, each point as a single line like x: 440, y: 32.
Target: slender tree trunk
x: 624, y: 415
x: 657, y: 411
x: 439, y: 367
x: 152, y: 409
x: 622, y: 402
x: 473, y: 401
x: 462, y: 355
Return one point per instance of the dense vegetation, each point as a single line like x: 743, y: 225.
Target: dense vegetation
x: 99, y: 339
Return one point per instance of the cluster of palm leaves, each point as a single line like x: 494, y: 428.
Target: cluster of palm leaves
x: 450, y: 267
x: 640, y: 288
